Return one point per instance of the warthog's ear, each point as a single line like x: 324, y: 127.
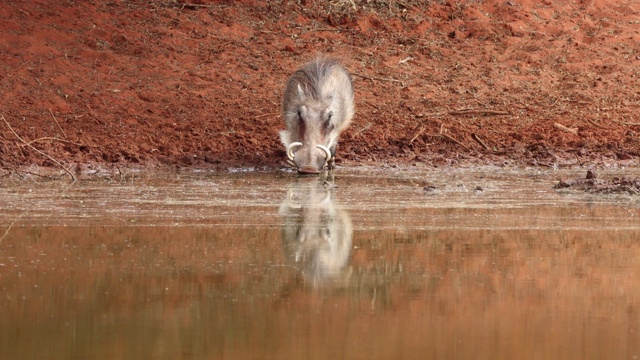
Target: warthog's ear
x: 301, y: 95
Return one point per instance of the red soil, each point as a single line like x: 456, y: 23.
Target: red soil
x: 95, y: 84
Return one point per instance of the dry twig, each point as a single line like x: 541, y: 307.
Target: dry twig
x: 365, y: 127
x: 38, y: 151
x: 475, y: 137
x: 20, y: 172
x: 596, y: 124
x: 57, y: 123
x: 435, y: 114
x: 566, y: 129
x: 189, y: 5
x: 418, y: 133
x: 455, y: 141
x: 450, y: 138
x: 478, y: 112
x: 329, y: 30
x: 6, y: 232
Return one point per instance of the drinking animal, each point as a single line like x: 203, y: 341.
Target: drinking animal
x: 318, y: 106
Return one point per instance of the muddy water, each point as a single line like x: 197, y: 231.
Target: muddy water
x: 487, y: 264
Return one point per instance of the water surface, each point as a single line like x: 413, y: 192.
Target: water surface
x: 484, y: 264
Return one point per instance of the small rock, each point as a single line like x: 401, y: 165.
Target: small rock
x: 430, y: 188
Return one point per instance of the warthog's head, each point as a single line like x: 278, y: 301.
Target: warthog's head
x: 315, y: 127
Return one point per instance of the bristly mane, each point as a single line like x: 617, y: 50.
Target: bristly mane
x: 312, y: 75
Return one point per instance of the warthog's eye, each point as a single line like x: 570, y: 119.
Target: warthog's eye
x: 328, y: 124
x: 299, y: 115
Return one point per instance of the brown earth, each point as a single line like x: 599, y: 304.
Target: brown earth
x: 145, y: 83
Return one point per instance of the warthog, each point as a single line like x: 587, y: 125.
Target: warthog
x: 317, y: 107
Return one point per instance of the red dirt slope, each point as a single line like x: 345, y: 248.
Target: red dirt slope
x: 93, y: 84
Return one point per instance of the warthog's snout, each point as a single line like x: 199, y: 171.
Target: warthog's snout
x: 308, y: 159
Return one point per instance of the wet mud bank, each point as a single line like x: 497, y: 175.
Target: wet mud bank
x: 591, y: 183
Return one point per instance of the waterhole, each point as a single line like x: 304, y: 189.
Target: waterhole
x: 364, y: 264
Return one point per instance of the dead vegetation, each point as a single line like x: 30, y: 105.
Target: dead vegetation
x: 590, y: 183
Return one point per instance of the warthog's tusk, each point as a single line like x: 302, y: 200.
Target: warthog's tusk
x: 327, y: 153
x: 290, y: 149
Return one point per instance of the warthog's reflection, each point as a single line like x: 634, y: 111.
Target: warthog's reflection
x: 316, y: 234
